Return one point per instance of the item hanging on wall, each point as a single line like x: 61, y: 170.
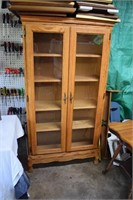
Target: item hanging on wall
x: 4, y: 4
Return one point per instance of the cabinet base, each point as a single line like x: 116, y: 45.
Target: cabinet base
x: 61, y: 157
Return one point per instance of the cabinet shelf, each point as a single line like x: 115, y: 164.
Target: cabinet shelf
x: 40, y: 79
x: 84, y: 104
x: 84, y: 143
x: 47, y: 106
x: 50, y: 126
x: 86, y: 78
x: 47, y: 55
x: 88, y: 55
x: 46, y: 148
x: 56, y: 105
x: 81, y: 124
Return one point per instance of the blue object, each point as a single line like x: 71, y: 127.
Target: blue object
x: 21, y: 188
x: 114, y: 112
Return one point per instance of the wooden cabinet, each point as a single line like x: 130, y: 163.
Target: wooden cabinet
x: 66, y: 70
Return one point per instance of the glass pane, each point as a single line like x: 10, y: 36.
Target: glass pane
x: 89, y: 44
x: 87, y: 74
x: 48, y: 128
x: 48, y: 92
x: 49, y: 140
x: 48, y: 116
x: 48, y: 88
x: 48, y: 43
x: 86, y: 91
x: 82, y: 137
x: 83, y: 118
x: 84, y: 114
x: 87, y: 69
x: 48, y: 68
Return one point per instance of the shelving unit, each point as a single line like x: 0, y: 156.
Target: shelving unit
x: 66, y: 76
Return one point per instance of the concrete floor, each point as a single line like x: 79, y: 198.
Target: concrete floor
x: 78, y: 180
x: 75, y: 180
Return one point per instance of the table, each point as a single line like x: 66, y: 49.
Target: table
x: 124, y: 131
x: 10, y: 167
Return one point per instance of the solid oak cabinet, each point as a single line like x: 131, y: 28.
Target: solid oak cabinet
x: 66, y: 63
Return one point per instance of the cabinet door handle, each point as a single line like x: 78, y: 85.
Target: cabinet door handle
x: 65, y: 98
x: 71, y: 97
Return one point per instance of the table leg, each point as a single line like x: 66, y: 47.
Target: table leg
x: 131, y: 192
x: 113, y: 158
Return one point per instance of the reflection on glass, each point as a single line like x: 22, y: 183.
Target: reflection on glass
x: 48, y: 116
x: 87, y: 73
x: 48, y: 43
x: 87, y: 69
x: 89, y: 44
x: 82, y: 137
x: 49, y: 139
x: 48, y: 67
x: 48, y: 91
x: 84, y: 114
x: 86, y: 91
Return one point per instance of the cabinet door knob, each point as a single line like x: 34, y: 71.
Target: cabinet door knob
x: 71, y: 97
x: 65, y: 98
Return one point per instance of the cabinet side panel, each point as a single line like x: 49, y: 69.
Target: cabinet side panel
x: 30, y: 87
x: 26, y: 88
x: 102, y: 84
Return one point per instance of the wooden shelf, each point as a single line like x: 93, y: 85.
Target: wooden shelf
x: 41, y: 148
x: 47, y: 105
x: 47, y: 55
x: 81, y: 124
x: 46, y: 127
x: 86, y: 78
x: 78, y: 144
x: 51, y: 148
x: 88, y: 56
x: 40, y: 79
x: 84, y: 104
x: 53, y: 106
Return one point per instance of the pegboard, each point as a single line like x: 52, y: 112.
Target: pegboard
x: 12, y: 60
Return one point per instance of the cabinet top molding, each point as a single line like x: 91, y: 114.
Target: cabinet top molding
x: 65, y: 20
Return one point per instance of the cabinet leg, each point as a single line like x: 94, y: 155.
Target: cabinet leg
x: 96, y: 161
x: 30, y: 165
x: 97, y: 158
